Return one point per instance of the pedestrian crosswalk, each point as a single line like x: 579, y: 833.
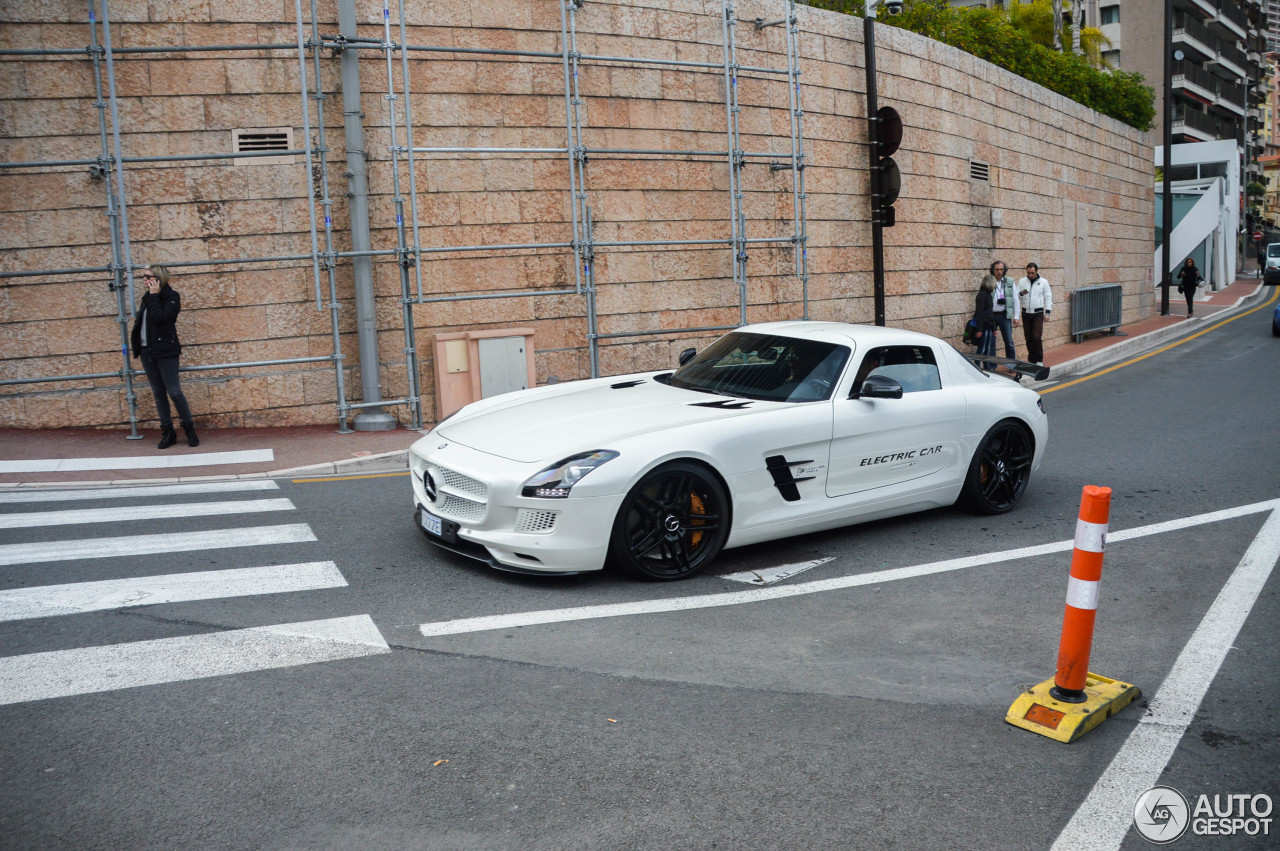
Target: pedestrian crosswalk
x: 69, y: 533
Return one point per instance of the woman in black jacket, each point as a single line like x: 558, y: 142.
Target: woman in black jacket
x: 155, y: 341
x: 1188, y: 282
x: 984, y: 319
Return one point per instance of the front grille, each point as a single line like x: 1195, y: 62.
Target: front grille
x: 535, y: 521
x: 463, y: 484
x: 449, y: 505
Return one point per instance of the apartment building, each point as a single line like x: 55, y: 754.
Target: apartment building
x: 1220, y: 80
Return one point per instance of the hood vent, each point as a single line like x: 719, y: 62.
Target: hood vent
x: 723, y: 404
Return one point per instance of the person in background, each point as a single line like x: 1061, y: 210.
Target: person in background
x: 1006, y: 308
x: 984, y: 319
x: 155, y: 343
x: 1189, y: 279
x: 1037, y: 304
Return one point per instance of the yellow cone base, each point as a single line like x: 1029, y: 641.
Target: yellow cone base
x: 1036, y: 710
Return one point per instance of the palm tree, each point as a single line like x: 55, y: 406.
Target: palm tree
x: 1041, y: 20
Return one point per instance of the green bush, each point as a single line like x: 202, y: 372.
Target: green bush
x: 987, y: 34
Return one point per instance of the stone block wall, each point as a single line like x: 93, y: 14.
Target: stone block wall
x: 1048, y: 158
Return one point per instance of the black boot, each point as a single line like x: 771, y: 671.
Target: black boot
x: 168, y: 437
x: 189, y: 429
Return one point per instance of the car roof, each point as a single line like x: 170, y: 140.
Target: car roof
x: 842, y: 333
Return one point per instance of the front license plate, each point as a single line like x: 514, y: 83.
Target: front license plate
x: 432, y: 524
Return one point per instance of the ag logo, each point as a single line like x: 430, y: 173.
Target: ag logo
x: 1161, y: 815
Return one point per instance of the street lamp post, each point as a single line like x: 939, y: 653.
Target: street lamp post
x: 1166, y: 223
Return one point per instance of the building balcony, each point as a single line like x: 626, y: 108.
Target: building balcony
x: 1200, y: 85
x: 1193, y: 123
x: 1232, y: 18
x: 1194, y: 35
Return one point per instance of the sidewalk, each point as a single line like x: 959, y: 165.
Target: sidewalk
x: 30, y: 457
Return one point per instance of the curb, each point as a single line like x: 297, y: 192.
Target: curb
x: 395, y: 461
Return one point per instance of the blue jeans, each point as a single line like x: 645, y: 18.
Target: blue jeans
x: 1005, y: 324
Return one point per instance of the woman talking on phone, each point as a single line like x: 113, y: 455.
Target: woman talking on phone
x: 155, y: 342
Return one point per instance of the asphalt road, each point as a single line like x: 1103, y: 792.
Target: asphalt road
x: 866, y: 712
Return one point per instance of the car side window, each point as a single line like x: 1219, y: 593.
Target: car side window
x: 914, y: 367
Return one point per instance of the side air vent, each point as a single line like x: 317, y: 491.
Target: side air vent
x: 979, y: 171
x: 783, y: 479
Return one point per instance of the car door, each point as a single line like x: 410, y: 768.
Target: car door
x: 880, y: 443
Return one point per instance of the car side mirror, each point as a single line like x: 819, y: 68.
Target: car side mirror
x: 687, y: 355
x: 879, y: 387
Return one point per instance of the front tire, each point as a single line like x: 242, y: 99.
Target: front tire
x: 672, y: 524
x: 1000, y: 469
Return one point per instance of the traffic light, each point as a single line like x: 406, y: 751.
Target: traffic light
x: 886, y: 178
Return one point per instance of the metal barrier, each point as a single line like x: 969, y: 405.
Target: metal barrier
x: 1095, y: 308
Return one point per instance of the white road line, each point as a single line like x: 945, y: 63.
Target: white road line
x: 169, y: 542
x: 73, y: 598
x: 122, y: 514
x: 1104, y: 819
x: 89, y: 670
x: 760, y: 595
x: 770, y: 575
x: 26, y: 495
x: 142, y: 462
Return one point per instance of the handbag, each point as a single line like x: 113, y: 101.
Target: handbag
x: 971, y: 332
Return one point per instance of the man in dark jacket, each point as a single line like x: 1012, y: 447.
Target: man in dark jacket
x: 155, y: 341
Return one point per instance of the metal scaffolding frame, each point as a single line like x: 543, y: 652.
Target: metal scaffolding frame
x: 409, y: 251
x: 110, y: 165
x: 584, y: 244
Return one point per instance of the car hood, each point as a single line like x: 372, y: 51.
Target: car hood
x: 554, y: 423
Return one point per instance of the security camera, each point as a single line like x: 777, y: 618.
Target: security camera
x: 893, y: 6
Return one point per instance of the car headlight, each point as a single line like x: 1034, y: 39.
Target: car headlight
x: 556, y: 481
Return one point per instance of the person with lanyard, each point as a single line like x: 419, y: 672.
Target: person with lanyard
x: 1005, y: 307
x: 1037, y: 304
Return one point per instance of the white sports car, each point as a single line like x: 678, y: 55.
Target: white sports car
x: 774, y: 430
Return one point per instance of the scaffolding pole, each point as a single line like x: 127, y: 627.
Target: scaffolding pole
x: 326, y: 202
x: 109, y: 176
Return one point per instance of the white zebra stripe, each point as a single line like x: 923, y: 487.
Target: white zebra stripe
x: 74, y: 598
x: 1091, y: 537
x: 142, y: 462
x: 124, y: 514
x: 22, y: 496
x: 89, y: 670
x: 168, y: 542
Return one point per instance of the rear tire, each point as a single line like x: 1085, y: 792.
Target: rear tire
x: 1000, y: 469
x: 672, y: 524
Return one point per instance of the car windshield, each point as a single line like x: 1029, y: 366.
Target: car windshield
x: 765, y: 367
x: 1273, y: 250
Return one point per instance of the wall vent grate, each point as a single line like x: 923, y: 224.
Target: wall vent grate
x: 263, y: 140
x: 979, y: 171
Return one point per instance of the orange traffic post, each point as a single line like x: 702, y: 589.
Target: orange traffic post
x: 1082, y: 595
x: 1076, y: 700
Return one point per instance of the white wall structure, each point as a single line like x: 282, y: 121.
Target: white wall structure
x: 1216, y: 216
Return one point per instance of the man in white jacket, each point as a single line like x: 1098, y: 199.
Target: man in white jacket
x: 1037, y: 304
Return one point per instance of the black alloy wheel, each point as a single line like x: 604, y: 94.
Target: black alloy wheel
x: 672, y: 523
x: 1000, y: 469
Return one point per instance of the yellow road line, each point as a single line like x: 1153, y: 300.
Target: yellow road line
x: 1249, y: 312
x: 349, y: 478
